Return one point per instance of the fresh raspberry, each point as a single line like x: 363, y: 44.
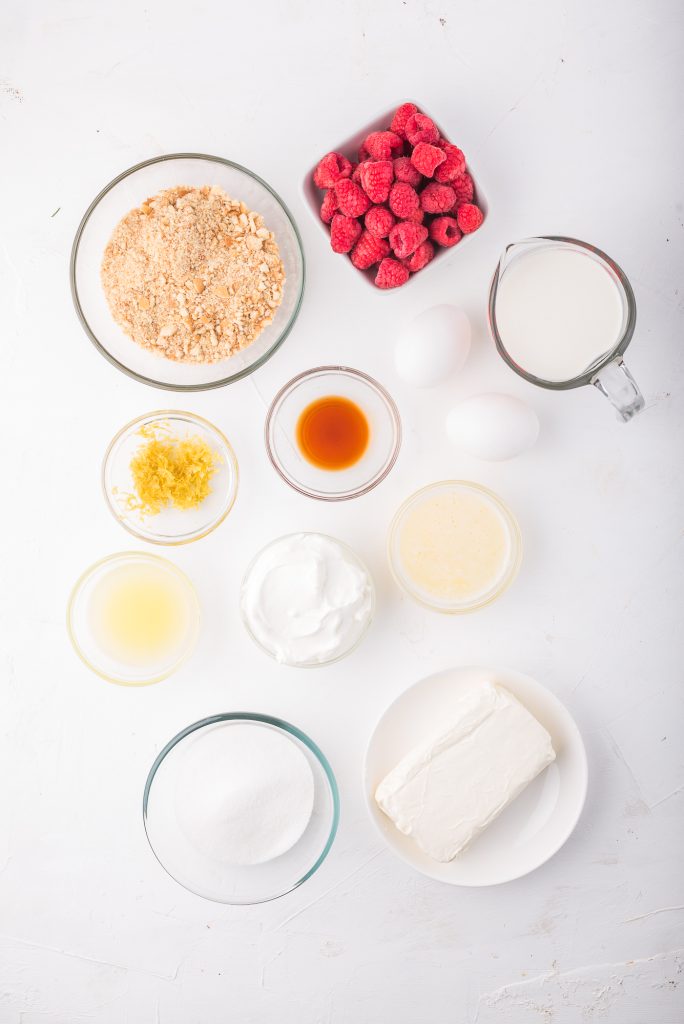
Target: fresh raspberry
x: 356, y: 172
x: 403, y: 199
x: 469, y: 218
x: 391, y: 274
x: 401, y: 116
x: 464, y: 188
x: 331, y: 169
x: 344, y: 233
x: 405, y: 171
x: 379, y: 221
x: 420, y: 128
x: 351, y: 199
x: 416, y: 216
x: 454, y: 164
x: 369, y: 250
x: 426, y: 158
x: 445, y: 231
x: 436, y: 198
x: 420, y: 258
x: 376, y: 179
x: 363, y: 153
x: 328, y: 206
x: 406, y: 237
x: 383, y: 145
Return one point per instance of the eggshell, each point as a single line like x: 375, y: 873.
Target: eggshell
x: 433, y: 346
x: 493, y: 427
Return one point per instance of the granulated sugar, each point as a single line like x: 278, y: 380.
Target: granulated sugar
x: 244, y: 793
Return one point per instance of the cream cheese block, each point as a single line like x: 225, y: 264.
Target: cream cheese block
x: 446, y: 791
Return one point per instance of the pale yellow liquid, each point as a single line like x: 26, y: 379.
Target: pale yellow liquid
x: 454, y: 545
x: 140, y: 613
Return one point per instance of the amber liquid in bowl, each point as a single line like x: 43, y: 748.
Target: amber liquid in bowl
x: 333, y: 432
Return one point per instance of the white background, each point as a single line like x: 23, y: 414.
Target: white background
x: 571, y: 114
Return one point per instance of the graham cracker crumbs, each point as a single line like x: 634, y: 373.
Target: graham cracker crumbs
x: 192, y: 274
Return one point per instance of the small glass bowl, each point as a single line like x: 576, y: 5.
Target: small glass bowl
x: 341, y: 484
x: 127, y: 191
x: 86, y: 643
x: 171, y: 526
x: 352, y: 557
x: 508, y: 574
x: 227, y: 883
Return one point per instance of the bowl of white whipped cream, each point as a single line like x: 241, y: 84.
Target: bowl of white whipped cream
x: 307, y: 599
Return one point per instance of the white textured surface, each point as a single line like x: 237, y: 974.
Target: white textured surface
x: 571, y: 114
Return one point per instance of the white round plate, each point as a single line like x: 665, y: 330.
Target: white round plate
x: 533, y: 827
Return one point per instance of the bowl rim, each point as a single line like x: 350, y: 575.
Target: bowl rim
x: 210, y: 385
x: 144, y: 556
x: 507, y: 577
x: 277, y: 723
x: 356, y: 558
x: 366, y: 379
x: 310, y: 195
x: 161, y: 414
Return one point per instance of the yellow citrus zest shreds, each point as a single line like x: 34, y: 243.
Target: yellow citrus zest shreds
x: 170, y: 471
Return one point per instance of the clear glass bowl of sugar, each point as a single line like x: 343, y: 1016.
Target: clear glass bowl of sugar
x: 241, y: 808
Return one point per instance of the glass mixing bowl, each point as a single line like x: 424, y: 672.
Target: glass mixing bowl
x: 208, y: 876
x: 129, y: 190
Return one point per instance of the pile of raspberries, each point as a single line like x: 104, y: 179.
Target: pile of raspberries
x: 408, y: 192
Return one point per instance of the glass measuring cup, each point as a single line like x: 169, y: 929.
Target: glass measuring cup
x: 606, y: 371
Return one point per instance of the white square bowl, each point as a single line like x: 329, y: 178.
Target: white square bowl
x: 313, y: 197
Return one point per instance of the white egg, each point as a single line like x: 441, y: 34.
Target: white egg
x: 433, y: 346
x: 493, y: 427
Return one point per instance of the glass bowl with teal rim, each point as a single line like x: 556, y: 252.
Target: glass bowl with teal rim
x: 178, y: 794
x: 129, y: 190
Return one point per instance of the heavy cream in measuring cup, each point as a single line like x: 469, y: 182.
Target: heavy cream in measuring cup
x: 558, y: 312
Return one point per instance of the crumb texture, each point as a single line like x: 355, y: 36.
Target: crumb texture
x: 193, y: 275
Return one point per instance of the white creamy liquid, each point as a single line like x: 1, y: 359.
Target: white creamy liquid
x: 557, y: 312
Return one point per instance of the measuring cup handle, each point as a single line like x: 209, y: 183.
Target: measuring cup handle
x: 618, y: 385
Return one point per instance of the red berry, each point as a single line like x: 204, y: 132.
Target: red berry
x: 426, y: 158
x: 356, y: 173
x: 420, y: 128
x: 391, y: 274
x: 464, y: 188
x: 331, y: 169
x: 454, y: 164
x: 344, y: 233
x: 400, y: 118
x: 436, y: 198
x: 445, y: 231
x: 379, y: 221
x: 363, y: 153
x: 405, y: 171
x: 368, y: 250
x: 416, y: 216
x: 383, y: 145
x: 403, y: 199
x: 351, y: 199
x: 328, y: 206
x: 406, y: 237
x: 420, y: 258
x: 469, y: 218
x: 376, y: 179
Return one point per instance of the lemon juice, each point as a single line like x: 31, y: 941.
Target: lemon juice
x: 140, y: 613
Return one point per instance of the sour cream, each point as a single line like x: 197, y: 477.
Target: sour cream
x: 307, y: 599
